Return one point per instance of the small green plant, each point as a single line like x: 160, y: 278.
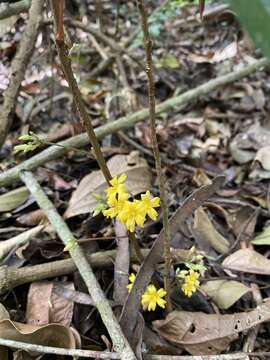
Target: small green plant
x: 189, y: 278
x: 31, y: 142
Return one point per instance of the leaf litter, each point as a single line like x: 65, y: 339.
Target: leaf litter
x: 225, y: 132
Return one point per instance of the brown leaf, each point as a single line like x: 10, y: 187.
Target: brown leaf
x: 82, y: 200
x: 247, y: 260
x: 223, y: 292
x: 206, y: 231
x: 31, y: 218
x: 18, y: 240
x: 46, y: 306
x: 201, y: 333
x: 49, y: 335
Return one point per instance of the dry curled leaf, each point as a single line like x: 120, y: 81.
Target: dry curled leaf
x: 263, y: 158
x: 206, y: 231
x: 55, y: 335
x: 82, y: 200
x: 200, y: 333
x: 247, y: 260
x: 18, y: 240
x: 224, y: 292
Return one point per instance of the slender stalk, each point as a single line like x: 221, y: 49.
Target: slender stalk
x: 120, y: 343
x: 62, y: 49
x: 152, y: 124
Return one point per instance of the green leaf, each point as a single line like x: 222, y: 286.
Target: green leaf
x: 263, y: 238
x: 13, y: 199
x: 169, y: 61
x: 255, y: 16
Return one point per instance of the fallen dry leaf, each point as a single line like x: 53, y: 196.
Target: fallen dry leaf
x: 263, y: 158
x: 247, y: 260
x: 45, y: 306
x: 56, y: 335
x: 206, y: 231
x: 18, y: 240
x: 224, y: 292
x: 200, y: 333
x: 82, y: 200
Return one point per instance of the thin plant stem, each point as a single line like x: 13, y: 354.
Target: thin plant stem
x: 62, y: 49
x: 156, y: 152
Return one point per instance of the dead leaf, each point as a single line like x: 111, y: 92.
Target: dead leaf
x: 200, y: 333
x: 7, y: 23
x: 206, y: 231
x: 45, y: 306
x: 247, y: 260
x: 244, y: 145
x: 49, y: 335
x: 82, y: 200
x: 55, y: 335
x: 224, y: 292
x: 263, y: 157
x: 18, y: 240
x: 226, y: 53
x: 13, y: 199
x: 31, y: 218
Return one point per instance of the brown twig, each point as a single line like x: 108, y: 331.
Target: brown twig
x: 10, y: 277
x: 18, y: 67
x: 152, y: 122
x: 67, y: 70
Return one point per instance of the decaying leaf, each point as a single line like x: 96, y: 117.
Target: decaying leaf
x: 200, y: 333
x: 224, y: 292
x: 13, y: 199
x: 82, y: 200
x: 56, y: 335
x: 45, y: 306
x: 206, y: 231
x: 244, y: 146
x: 247, y: 260
x: 263, y: 157
x: 18, y: 240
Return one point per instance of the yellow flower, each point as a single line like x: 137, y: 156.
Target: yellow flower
x: 130, y: 215
x: 191, y: 283
x: 117, y: 190
x: 147, y: 205
x: 131, y: 278
x: 153, y: 297
x: 117, y: 206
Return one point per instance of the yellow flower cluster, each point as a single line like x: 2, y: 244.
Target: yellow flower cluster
x: 191, y: 282
x: 151, y: 297
x: 129, y: 213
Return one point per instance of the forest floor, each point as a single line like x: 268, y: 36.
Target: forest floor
x: 223, y: 131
